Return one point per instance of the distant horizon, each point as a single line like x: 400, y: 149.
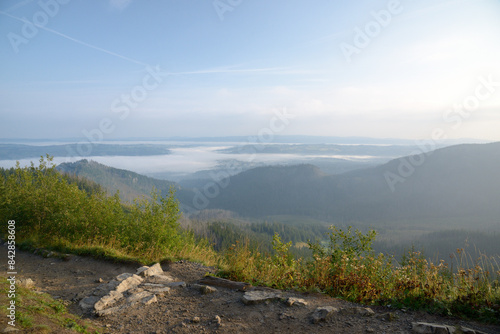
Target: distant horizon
x: 245, y: 138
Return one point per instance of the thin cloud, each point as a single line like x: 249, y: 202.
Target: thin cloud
x: 75, y: 40
x: 267, y: 70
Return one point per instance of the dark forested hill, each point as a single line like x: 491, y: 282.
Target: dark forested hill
x: 130, y: 184
x: 453, y: 187
x: 459, y: 182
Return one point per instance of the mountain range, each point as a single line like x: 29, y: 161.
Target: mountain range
x: 452, y: 187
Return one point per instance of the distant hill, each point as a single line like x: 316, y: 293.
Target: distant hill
x: 453, y: 187
x: 20, y: 151
x: 457, y: 184
x: 131, y: 185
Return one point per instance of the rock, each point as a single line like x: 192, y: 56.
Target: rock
x: 160, y: 279
x: 323, y: 313
x: 99, y: 280
x: 10, y: 329
x: 129, y: 283
x: 426, y: 328
x: 104, y: 288
x: 108, y: 300
x: 204, y: 289
x: 149, y: 300
x: 123, y: 276
x: 296, y: 301
x: 133, y: 298
x: 88, y: 303
x: 26, y: 283
x: 362, y: 311
x: 176, y: 285
x: 218, y: 320
x: 135, y: 290
x: 225, y: 283
x: 112, y: 310
x: 258, y: 297
x: 150, y: 271
x: 141, y: 270
x: 159, y: 291
x: 389, y: 316
x: 196, y: 320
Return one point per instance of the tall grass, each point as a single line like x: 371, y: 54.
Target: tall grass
x: 348, y: 268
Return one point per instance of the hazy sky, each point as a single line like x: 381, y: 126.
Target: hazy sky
x: 161, y: 68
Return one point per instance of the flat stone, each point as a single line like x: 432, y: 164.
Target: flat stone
x: 112, y: 310
x: 160, y: 291
x: 427, y: 328
x: 153, y: 285
x: 362, y: 311
x: 204, y: 289
x: 323, y: 313
x: 105, y: 288
x: 259, y: 297
x: 88, y: 303
x: 108, y: 300
x: 138, y: 296
x: 176, y: 285
x: 129, y: 283
x: 149, y: 300
x: 292, y: 301
x: 160, y: 279
x: 141, y: 270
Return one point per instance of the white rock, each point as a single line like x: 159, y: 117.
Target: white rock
x: 150, y: 271
x: 292, y: 301
x: 108, y: 300
x: 129, y: 283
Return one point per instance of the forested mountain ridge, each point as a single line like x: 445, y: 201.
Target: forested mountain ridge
x: 452, y: 187
x: 454, y: 182
x: 130, y: 185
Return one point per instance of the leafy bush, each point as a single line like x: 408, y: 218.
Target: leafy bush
x: 52, y: 211
x: 348, y: 268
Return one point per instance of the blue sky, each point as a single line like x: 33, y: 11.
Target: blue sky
x: 402, y: 69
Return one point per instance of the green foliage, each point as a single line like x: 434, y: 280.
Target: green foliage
x: 348, y: 268
x: 52, y: 210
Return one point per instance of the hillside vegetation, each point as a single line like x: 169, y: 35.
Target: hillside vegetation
x: 51, y: 211
x: 130, y: 185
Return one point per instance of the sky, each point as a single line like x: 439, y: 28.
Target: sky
x: 110, y: 69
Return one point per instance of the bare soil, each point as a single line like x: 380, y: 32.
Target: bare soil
x: 186, y: 310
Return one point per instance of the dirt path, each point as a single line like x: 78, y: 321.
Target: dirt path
x: 186, y: 310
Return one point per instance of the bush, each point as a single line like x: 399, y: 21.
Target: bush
x: 52, y: 211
